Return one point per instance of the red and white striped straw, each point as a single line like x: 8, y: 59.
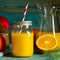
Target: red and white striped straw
x: 25, y: 11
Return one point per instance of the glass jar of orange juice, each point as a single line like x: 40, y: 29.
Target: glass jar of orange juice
x: 22, y: 39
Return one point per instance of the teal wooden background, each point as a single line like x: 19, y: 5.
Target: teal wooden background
x: 13, y: 11
x: 34, y: 17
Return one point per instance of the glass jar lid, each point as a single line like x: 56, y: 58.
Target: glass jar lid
x: 26, y: 23
x: 20, y: 23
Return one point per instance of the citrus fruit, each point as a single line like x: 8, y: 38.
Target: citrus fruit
x: 46, y: 42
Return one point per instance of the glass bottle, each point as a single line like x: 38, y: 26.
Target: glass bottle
x: 22, y: 39
x: 49, y: 25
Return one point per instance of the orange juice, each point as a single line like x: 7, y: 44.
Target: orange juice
x: 57, y: 36
x: 22, y: 44
x: 58, y: 39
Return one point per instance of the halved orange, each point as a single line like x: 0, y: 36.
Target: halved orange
x: 46, y: 42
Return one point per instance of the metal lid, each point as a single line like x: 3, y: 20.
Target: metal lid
x: 22, y: 23
x: 26, y: 23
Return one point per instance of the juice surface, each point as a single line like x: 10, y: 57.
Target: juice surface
x: 22, y: 44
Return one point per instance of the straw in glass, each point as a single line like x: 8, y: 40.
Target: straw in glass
x: 53, y: 24
x: 24, y: 15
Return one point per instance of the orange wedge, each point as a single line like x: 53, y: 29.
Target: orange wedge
x: 46, y: 42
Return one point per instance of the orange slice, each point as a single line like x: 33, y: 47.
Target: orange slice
x: 46, y: 42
